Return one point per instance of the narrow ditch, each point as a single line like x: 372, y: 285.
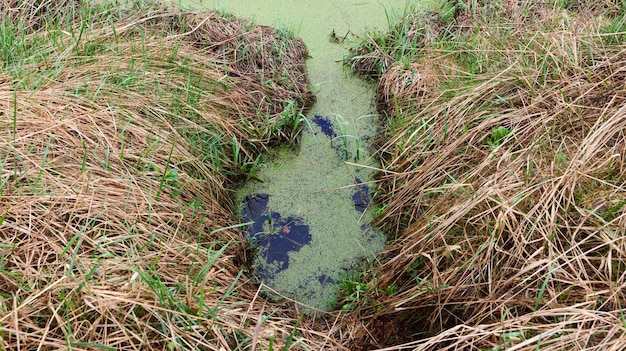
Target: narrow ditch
x: 309, y: 209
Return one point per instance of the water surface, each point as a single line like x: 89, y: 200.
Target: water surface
x: 312, y: 210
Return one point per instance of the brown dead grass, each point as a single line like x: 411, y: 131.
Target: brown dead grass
x: 114, y: 217
x: 32, y: 14
x: 517, y: 243
x: 418, y: 29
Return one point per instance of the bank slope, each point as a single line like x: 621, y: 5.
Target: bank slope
x: 503, y: 182
x: 121, y: 131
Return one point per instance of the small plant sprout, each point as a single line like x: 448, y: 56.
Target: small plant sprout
x: 498, y: 135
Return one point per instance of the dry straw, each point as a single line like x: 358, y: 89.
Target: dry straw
x: 117, y: 133
x: 504, y: 180
x: 505, y: 185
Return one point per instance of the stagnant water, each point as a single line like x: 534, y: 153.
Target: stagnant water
x: 309, y: 214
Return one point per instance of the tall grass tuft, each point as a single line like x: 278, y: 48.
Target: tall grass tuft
x: 503, y: 183
x: 117, y: 131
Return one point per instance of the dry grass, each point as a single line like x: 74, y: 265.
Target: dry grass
x: 118, y: 134
x: 32, y: 14
x: 504, y: 185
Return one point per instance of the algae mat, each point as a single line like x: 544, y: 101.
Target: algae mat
x: 308, y: 214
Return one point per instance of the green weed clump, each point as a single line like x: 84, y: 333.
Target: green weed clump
x: 120, y: 130
x: 503, y: 179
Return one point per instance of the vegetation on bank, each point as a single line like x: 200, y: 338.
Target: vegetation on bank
x: 121, y: 131
x: 503, y: 179
x: 502, y: 186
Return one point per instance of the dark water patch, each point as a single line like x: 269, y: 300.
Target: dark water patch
x: 254, y: 210
x: 273, y: 235
x: 325, y: 125
x: 361, y: 197
x: 289, y: 235
x: 254, y: 205
x: 324, y: 279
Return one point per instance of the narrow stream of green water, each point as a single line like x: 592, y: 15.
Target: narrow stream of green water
x: 308, y: 211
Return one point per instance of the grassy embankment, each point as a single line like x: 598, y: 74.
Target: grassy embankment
x: 503, y: 191
x: 120, y: 131
x: 504, y: 179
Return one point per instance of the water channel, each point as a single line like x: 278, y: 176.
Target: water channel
x: 309, y: 213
